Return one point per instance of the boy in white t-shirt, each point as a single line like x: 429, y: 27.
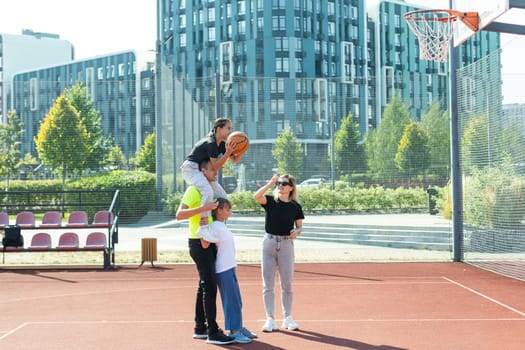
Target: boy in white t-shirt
x: 225, y: 265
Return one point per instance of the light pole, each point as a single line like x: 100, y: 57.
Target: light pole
x: 332, y: 145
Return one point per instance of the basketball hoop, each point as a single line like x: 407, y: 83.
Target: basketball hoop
x: 435, y: 29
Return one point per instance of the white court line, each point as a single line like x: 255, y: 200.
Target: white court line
x: 192, y: 285
x: 160, y: 322
x: 105, y: 292
x: 16, y: 329
x: 486, y: 297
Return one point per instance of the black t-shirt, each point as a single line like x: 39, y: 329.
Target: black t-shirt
x: 281, y: 216
x: 205, y: 149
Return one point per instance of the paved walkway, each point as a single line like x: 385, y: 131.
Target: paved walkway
x: 172, y: 235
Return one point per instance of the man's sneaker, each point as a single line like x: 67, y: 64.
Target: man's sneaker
x: 248, y: 333
x: 219, y: 338
x: 269, y: 325
x: 290, y: 324
x: 200, y: 334
x: 240, y: 338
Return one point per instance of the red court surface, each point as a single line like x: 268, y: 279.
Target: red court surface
x: 387, y: 306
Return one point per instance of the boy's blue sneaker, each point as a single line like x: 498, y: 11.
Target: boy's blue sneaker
x: 247, y: 333
x: 240, y: 338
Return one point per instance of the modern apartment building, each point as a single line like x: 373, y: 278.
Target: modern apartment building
x: 266, y: 65
x: 28, y: 51
x: 121, y: 86
x: 302, y: 65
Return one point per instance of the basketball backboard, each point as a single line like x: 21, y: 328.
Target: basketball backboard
x: 488, y: 11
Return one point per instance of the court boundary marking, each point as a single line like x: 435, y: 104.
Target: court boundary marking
x: 23, y: 325
x: 348, y: 279
x: 497, y: 302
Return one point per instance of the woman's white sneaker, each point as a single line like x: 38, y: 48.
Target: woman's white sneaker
x: 290, y: 324
x: 269, y: 325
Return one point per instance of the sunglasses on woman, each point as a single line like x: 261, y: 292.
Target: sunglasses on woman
x: 283, y: 183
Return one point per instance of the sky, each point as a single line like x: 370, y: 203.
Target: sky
x: 94, y: 27
x: 99, y: 27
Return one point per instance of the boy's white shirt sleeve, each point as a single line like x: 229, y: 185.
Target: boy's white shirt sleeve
x: 211, y: 234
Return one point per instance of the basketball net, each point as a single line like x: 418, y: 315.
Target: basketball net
x: 435, y: 29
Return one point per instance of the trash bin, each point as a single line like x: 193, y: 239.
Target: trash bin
x: 149, y: 250
x: 432, y: 194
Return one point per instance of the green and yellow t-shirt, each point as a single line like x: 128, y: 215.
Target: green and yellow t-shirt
x: 192, y: 199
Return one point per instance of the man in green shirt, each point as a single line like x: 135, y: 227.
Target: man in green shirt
x: 203, y: 254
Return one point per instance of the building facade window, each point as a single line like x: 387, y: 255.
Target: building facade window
x: 388, y: 85
x: 226, y: 61
x: 90, y: 82
x: 281, y: 44
x: 278, y: 23
x: 33, y: 94
x: 241, y: 27
x: 278, y: 4
x: 282, y: 65
x: 148, y: 120
x: 241, y: 7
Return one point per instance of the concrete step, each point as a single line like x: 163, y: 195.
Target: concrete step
x: 396, y: 236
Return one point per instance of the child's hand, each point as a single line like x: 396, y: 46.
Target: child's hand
x: 210, y: 206
x: 230, y: 146
x: 204, y: 221
x: 205, y: 244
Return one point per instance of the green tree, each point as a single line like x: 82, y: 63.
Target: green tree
x: 145, y: 157
x: 513, y: 142
x: 474, y: 144
x: 413, y: 153
x: 436, y: 124
x: 29, y: 162
x: 349, y: 153
x: 289, y: 154
x: 115, y: 158
x: 381, y: 143
x: 63, y: 141
x: 98, y: 146
x: 10, y: 154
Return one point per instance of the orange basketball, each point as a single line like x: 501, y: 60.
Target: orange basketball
x: 241, y: 142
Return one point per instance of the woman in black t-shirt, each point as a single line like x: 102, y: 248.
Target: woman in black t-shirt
x: 283, y: 223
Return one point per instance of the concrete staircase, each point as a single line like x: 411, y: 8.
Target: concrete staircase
x: 397, y: 231
x: 413, y: 237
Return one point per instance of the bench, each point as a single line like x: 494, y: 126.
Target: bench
x: 96, y: 240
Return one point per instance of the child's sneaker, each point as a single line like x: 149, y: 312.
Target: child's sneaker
x: 240, y: 338
x: 248, y: 333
